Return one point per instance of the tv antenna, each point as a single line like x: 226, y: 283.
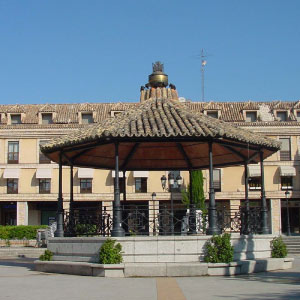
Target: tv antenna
x: 203, y: 57
x: 203, y: 64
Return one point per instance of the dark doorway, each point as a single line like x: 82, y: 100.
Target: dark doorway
x: 8, y: 213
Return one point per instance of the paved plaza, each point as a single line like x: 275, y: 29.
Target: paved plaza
x: 19, y: 281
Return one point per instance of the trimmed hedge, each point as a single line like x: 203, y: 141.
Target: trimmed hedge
x: 19, y: 232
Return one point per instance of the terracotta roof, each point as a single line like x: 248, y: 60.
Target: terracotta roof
x: 228, y: 111
x: 161, y: 118
x: 250, y: 105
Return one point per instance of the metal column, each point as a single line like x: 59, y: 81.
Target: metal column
x: 264, y: 210
x: 117, y: 230
x: 212, y: 212
x: 60, y: 210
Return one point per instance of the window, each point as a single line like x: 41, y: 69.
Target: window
x: 212, y: 114
x: 47, y: 119
x: 298, y: 116
x: 251, y: 116
x: 285, y: 151
x: 87, y: 118
x: 121, y: 184
x: 16, y: 119
x: 254, y: 183
x: 44, y: 186
x: 86, y: 185
x: 281, y: 116
x: 286, y: 182
x: 217, y: 180
x: 43, y: 159
x: 13, y: 153
x: 141, y: 185
x: 12, y: 186
x: 114, y: 113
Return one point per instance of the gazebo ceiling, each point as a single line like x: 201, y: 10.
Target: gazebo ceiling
x: 160, y: 134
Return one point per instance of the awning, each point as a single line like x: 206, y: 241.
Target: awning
x: 43, y: 173
x: 11, y: 173
x: 287, y: 171
x: 254, y: 171
x: 85, y: 173
x: 120, y: 174
x: 140, y: 174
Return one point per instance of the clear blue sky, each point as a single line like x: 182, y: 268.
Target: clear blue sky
x: 101, y: 51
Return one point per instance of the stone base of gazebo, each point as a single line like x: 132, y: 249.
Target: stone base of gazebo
x: 169, y: 256
x: 190, y: 269
x: 157, y: 249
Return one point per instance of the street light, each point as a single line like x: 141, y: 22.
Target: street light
x: 172, y: 183
x: 287, y: 194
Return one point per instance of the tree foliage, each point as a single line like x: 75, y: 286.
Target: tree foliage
x: 197, y: 190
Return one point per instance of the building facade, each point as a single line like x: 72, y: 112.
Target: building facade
x: 29, y: 181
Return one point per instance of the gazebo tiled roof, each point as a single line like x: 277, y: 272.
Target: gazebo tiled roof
x: 160, y: 120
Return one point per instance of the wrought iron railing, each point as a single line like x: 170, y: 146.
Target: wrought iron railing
x: 159, y: 219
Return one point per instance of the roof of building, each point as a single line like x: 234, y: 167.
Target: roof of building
x: 228, y: 111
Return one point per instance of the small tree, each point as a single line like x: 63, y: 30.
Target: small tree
x: 197, y: 190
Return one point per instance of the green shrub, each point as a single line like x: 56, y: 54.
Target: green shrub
x: 218, y: 249
x: 278, y: 248
x: 47, y: 256
x: 85, y: 229
x: 110, y: 253
x: 19, y: 232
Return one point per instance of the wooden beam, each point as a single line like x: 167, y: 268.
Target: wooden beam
x: 185, y: 156
x: 234, y: 151
x: 129, y: 156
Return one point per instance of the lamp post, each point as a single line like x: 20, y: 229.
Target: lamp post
x: 172, y: 183
x: 287, y: 194
x: 154, y: 212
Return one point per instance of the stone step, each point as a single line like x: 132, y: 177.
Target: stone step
x: 9, y: 252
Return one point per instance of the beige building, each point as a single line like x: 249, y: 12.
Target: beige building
x: 29, y: 181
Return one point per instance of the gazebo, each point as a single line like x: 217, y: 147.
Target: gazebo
x: 161, y: 134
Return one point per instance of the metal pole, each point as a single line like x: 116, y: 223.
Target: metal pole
x: 246, y: 229
x: 212, y: 213
x: 71, y: 212
x: 287, y: 214
x: 192, y: 216
x: 60, y: 210
x: 117, y: 230
x: 264, y: 210
x: 172, y: 210
x: 154, y: 212
x: 124, y: 194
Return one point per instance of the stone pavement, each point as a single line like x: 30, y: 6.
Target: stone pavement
x: 19, y: 282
